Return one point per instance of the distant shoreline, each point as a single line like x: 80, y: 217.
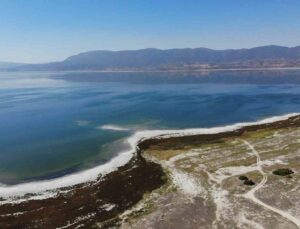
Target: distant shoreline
x: 158, y: 71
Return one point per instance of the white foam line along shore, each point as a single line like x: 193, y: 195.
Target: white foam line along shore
x: 40, y: 187
x: 113, y: 127
x: 251, y: 194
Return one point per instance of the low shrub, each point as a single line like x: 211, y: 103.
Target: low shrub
x: 243, y: 178
x: 283, y: 172
x: 249, y: 182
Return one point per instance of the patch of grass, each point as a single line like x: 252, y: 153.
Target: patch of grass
x: 259, y: 134
x: 163, y: 154
x: 243, y: 162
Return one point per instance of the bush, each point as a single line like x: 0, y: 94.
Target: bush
x: 283, y: 172
x: 243, y: 178
x: 249, y: 182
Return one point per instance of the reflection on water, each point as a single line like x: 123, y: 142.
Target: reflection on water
x: 226, y: 77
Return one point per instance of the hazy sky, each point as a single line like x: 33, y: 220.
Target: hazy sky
x: 47, y: 30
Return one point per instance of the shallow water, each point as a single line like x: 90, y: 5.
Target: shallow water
x: 52, y: 124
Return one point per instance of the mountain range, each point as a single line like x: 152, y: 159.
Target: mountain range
x: 173, y: 59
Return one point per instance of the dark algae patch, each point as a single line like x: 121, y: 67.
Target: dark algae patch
x: 87, y: 204
x: 99, y: 204
x: 179, y: 142
x: 283, y: 172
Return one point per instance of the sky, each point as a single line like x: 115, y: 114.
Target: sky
x: 38, y: 31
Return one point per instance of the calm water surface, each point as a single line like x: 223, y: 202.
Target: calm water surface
x: 53, y: 124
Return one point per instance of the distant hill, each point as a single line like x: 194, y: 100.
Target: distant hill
x: 8, y: 65
x: 175, y: 59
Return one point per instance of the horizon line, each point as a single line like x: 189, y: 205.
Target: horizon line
x: 149, y: 48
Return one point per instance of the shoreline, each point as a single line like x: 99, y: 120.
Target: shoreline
x: 45, y: 188
x: 103, y: 200
x: 159, y: 71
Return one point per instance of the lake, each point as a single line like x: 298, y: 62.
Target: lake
x: 54, y: 124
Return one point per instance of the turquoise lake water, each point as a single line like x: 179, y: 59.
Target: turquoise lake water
x: 52, y: 124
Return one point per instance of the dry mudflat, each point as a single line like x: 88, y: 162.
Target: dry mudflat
x: 226, y: 182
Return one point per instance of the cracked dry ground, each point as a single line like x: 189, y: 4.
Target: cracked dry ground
x: 204, y: 190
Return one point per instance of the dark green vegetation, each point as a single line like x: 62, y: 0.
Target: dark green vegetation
x: 244, y: 178
x: 198, y: 140
x: 249, y: 182
x: 283, y: 172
